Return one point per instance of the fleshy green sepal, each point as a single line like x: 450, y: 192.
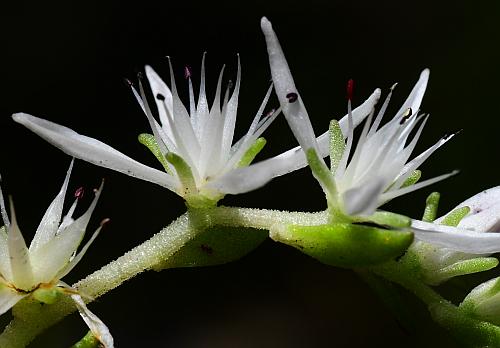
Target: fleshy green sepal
x: 149, y: 141
x: 389, y: 219
x: 431, y: 207
x: 88, y: 341
x: 343, y: 244
x: 252, y: 151
x: 46, y: 295
x: 454, y: 217
x: 321, y: 172
x: 337, y: 145
x: 412, y: 179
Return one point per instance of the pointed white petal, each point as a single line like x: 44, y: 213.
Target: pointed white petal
x: 387, y: 196
x: 230, y: 116
x: 160, y: 87
x: 291, y: 103
x: 50, y: 222
x: 363, y: 200
x: 93, y: 151
x: 66, y: 269
x: 5, y: 269
x: 457, y: 238
x: 8, y: 298
x: 96, y: 325
x: 5, y: 216
x: 22, y: 273
x: 416, y: 95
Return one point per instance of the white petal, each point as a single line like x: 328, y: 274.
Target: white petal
x: 5, y: 269
x: 363, y: 200
x: 92, y: 150
x: 66, y: 269
x: 22, y: 273
x: 50, y: 222
x: 8, y: 298
x: 457, y: 238
x: 98, y: 328
x: 294, y: 111
x: 158, y: 86
x: 416, y: 95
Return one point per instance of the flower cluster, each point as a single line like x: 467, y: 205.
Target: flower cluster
x: 202, y: 163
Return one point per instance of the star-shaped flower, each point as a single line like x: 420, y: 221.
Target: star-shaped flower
x: 195, y: 147
x: 378, y: 169
x: 37, y: 271
x: 456, y: 239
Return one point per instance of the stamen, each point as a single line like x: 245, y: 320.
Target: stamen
x: 292, y: 97
x: 187, y: 72
x: 160, y: 96
x: 140, y: 75
x: 104, y: 221
x: 79, y: 193
x: 270, y: 113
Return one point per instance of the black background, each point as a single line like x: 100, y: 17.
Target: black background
x: 66, y: 62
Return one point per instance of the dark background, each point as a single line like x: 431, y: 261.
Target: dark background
x: 66, y: 62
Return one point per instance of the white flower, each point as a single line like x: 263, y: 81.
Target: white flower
x: 37, y: 271
x: 475, y: 234
x: 206, y: 162
x: 378, y: 170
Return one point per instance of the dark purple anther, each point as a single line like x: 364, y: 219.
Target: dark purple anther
x: 292, y: 97
x: 128, y: 82
x: 270, y: 113
x: 79, y: 193
x: 160, y: 96
x: 187, y: 72
x: 350, y: 89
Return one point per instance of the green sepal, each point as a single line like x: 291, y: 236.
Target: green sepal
x: 345, y: 245
x: 252, y: 151
x: 483, y: 301
x: 412, y: 179
x: 460, y: 268
x: 454, y: 217
x: 321, y: 172
x: 88, y: 341
x: 337, y: 145
x: 469, y: 331
x: 150, y: 142
x: 390, y: 219
x: 431, y: 207
x: 46, y: 295
x: 216, y: 245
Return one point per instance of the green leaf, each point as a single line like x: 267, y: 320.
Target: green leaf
x: 454, y: 217
x: 252, y: 151
x: 412, y: 179
x: 345, y: 245
x: 431, y: 207
x: 216, y: 245
x: 149, y: 141
x: 88, y: 341
x: 337, y: 145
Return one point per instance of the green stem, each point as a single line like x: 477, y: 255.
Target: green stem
x: 30, y: 318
